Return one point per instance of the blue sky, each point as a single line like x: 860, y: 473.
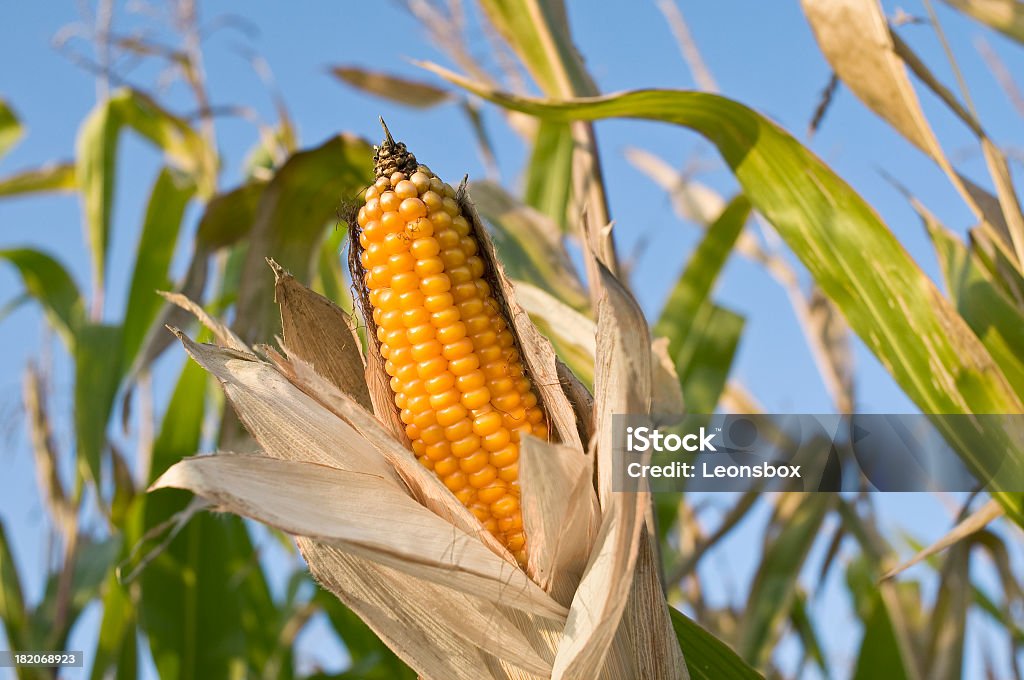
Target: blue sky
x: 761, y: 53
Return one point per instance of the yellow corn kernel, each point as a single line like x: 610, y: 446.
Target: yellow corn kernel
x: 457, y: 377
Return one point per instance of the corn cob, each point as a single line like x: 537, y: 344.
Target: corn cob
x: 456, y: 372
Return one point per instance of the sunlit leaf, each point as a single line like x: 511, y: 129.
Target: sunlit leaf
x: 886, y: 298
x: 13, y: 615
x: 795, y: 525
x: 98, y: 371
x: 395, y: 88
x: 538, y: 31
x: 1005, y: 16
x: 549, y: 173
x: 167, y: 201
x: 707, y: 657
x: 46, y: 280
x: 204, y: 604
x: 11, y: 129
x: 990, y: 313
x: 52, y: 177
x: 301, y: 200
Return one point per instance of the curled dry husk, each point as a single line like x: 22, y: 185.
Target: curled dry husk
x: 391, y: 541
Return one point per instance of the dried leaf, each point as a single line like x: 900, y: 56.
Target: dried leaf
x: 360, y: 513
x: 560, y: 514
x: 854, y: 37
x: 402, y: 90
x: 424, y: 486
x: 224, y: 335
x: 51, y: 489
x: 390, y: 603
x: 537, y: 352
x: 623, y: 385
x: 666, y: 390
x: 647, y: 623
x: 321, y: 334
x: 287, y: 423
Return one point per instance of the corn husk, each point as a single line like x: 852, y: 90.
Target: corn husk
x: 391, y: 541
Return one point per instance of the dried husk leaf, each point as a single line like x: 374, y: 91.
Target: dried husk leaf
x: 571, y: 326
x: 560, y: 514
x: 646, y: 622
x: 622, y: 385
x: 422, y: 484
x: 855, y: 38
x: 402, y: 611
x: 225, y: 336
x: 347, y: 509
x: 321, y: 334
x: 667, y: 391
x: 287, y: 423
x: 537, y: 352
x: 391, y: 604
x: 580, y: 400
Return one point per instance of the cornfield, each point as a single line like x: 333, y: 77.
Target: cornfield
x: 349, y: 404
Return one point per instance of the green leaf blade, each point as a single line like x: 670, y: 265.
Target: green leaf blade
x: 168, y: 199
x: 49, y: 283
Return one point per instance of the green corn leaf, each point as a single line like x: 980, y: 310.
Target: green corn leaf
x: 167, y: 201
x: 11, y: 129
x: 988, y: 311
x: 98, y: 371
x: 52, y: 177
x: 549, y: 173
x: 297, y: 205
x: 49, y: 284
x: 92, y: 561
x: 804, y: 627
x: 880, y: 655
x: 693, y: 289
x: 707, y: 657
x: 205, y: 603
x: 793, y: 530
x: 888, y: 301
x: 13, y: 615
x: 706, y: 358
x: 116, y: 646
x: 229, y: 216
x: 96, y: 155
